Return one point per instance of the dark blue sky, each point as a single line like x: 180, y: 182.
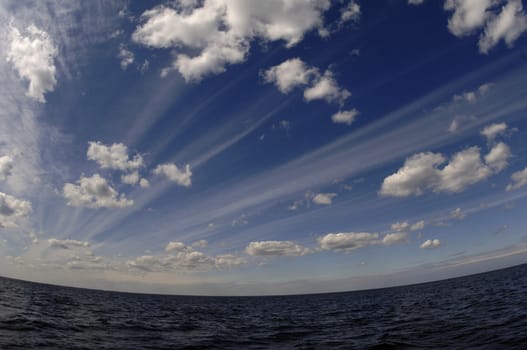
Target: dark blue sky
x: 234, y: 147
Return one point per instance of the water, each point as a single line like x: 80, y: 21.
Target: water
x: 485, y: 311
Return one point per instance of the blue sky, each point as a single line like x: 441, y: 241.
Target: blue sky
x: 250, y: 147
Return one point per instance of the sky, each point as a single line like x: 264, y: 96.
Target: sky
x: 247, y: 147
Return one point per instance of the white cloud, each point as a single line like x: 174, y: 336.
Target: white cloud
x: 508, y: 26
x: 144, y: 183
x: 175, y: 246
x: 130, y: 179
x: 419, y: 225
x: 493, y: 130
x: 185, y: 260
x: 12, y: 209
x: 519, y: 179
x: 506, y: 22
x: 67, y: 243
x: 326, y: 88
x: 126, y: 56
x: 226, y: 261
x: 459, y: 122
x: 415, y: 2
x: 294, y: 73
x: 400, y: 226
x: 473, y: 96
x: 394, y: 238
x: 431, y: 244
x: 32, y: 54
x: 418, y: 173
x: 94, y: 192
x: 498, y: 156
x: 324, y: 198
x: 114, y: 156
x: 421, y: 172
x: 464, y: 169
x: 290, y: 74
x: 133, y: 178
x: 219, y: 32
x: 173, y: 173
x: 347, y: 241
x: 351, y: 12
x: 276, y: 248
x: 87, y: 262
x: 468, y: 16
x: 296, y: 204
x: 202, y: 243
x: 345, y: 117
x: 6, y: 165
x: 457, y: 214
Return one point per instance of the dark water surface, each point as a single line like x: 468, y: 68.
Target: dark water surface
x: 485, y: 311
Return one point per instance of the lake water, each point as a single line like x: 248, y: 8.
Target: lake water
x: 485, y: 311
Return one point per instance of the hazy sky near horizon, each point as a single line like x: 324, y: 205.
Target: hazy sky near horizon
x: 261, y: 147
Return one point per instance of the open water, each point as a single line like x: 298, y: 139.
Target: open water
x: 484, y: 311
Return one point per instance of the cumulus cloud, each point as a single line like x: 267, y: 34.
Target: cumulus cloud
x: 114, y: 156
x: 133, y: 178
x: 94, y: 192
x: 400, y: 226
x: 418, y: 172
x: 468, y: 16
x: 326, y: 88
x: 181, y: 257
x: 67, y: 243
x: 473, y: 96
x: 421, y: 172
x: 394, y: 238
x: 419, y: 225
x: 202, y: 243
x: 276, y: 248
x: 431, y: 244
x: 459, y: 121
x: 347, y: 241
x: 290, y: 74
x: 464, y: 169
x: 6, y: 166
x: 212, y: 34
x: 12, y: 209
x: 185, y: 260
x: 324, y: 198
x: 457, y: 214
x: 497, y: 158
x: 173, y: 173
x: 296, y: 205
x: 175, y: 246
x: 505, y: 22
x: 125, y: 56
x: 294, y: 73
x: 519, y: 179
x: 492, y: 131
x: 350, y: 13
x: 32, y: 54
x: 345, y: 117
x: 87, y: 262
x: 130, y: 179
x: 508, y: 25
